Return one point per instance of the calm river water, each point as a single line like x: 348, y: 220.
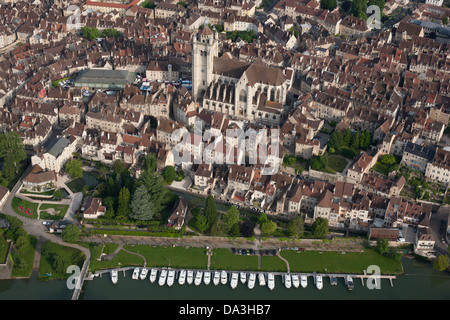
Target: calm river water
x: 420, y: 282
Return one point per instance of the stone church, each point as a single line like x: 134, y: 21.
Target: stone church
x: 242, y: 90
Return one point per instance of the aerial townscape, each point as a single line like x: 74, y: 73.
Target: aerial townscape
x: 224, y: 142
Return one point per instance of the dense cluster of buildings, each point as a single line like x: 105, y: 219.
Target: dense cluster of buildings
x: 171, y: 77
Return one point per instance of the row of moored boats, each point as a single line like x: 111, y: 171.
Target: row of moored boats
x: 167, y: 276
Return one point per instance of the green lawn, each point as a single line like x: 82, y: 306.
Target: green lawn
x: 336, y: 163
x: 60, y: 208
x: 20, y: 207
x: 175, y: 257
x: 336, y: 262
x: 71, y: 255
x: 224, y: 259
x: 28, y: 256
x: 273, y: 263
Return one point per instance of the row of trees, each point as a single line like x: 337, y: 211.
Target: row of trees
x: 349, y: 143
x: 358, y: 8
x: 12, y: 151
x: 94, y: 33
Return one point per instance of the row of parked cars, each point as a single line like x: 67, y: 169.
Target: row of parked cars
x: 253, y: 252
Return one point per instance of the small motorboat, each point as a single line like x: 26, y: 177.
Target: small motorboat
x: 162, y: 277
x: 153, y: 275
x: 190, y: 276
x: 182, y: 277
x: 114, y: 276
x: 251, y: 281
x: 198, y: 278
x: 234, y: 280
x: 262, y: 279
x: 319, y: 282
x: 207, y: 277
x: 287, y: 281
x: 243, y: 277
x: 350, y: 284
x: 144, y: 272
x: 136, y: 274
x: 304, y: 281
x: 171, y: 278
x: 216, y: 279
x: 271, y: 281
x: 333, y: 280
x: 223, y: 277
x: 295, y: 280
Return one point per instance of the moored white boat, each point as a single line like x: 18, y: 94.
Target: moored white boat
x: 182, y: 277
x: 216, y: 279
x: 287, y: 281
x: 171, y: 278
x: 162, y: 277
x: 198, y: 278
x: 295, y: 280
x: 304, y: 281
x: 350, y: 284
x: 207, y: 277
x: 223, y: 277
x: 271, y: 281
x: 144, y: 272
x: 190, y: 276
x: 262, y: 279
x: 319, y: 282
x: 136, y: 274
x: 234, y: 280
x: 153, y: 275
x: 251, y: 280
x: 243, y: 277
x: 114, y: 276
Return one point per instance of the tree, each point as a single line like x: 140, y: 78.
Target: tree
x: 336, y: 140
x: 169, y: 174
x: 71, y: 233
x: 60, y: 264
x: 231, y: 217
x: 383, y: 246
x: 268, y: 227
x: 346, y: 6
x: 211, y: 211
x: 347, y: 137
x: 13, y: 152
x: 109, y: 204
x: 355, y: 142
x: 90, y: 33
x: 379, y: 3
x: 159, y: 194
x: 141, y: 206
x: 150, y: 162
x: 201, y: 222
x: 364, y: 142
x: 359, y: 8
x: 74, y: 168
x: 445, y: 20
x: 123, y: 208
x: 320, y: 227
x: 118, y: 168
x: 328, y: 4
x: 58, y: 194
x: 22, y: 243
x: 296, y: 227
x: 388, y: 159
x: 441, y: 263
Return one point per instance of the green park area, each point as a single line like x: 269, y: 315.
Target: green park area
x: 25, y: 208
x: 49, y: 211
x: 224, y: 259
x: 336, y: 163
x: 55, y: 259
x: 23, y: 259
x: 337, y: 262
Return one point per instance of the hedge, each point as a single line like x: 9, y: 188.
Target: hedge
x: 135, y: 233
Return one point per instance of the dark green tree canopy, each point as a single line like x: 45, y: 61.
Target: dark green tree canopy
x: 141, y: 206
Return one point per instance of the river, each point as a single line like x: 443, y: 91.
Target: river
x: 420, y: 282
